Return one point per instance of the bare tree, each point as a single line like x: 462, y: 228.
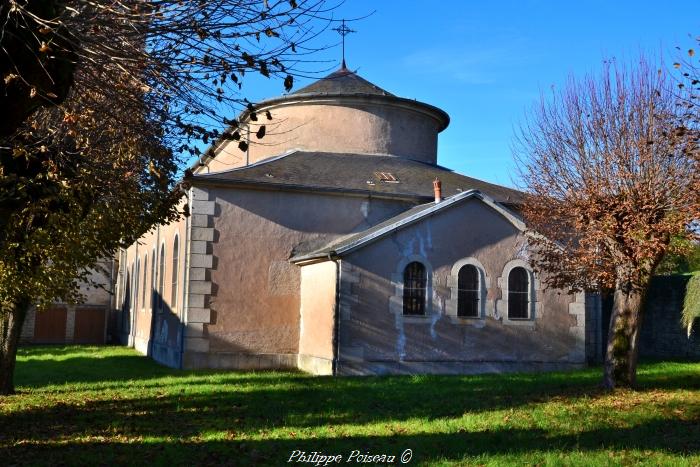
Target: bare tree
x: 104, y: 100
x: 607, y: 163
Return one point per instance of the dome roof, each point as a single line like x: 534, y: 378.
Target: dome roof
x: 347, y: 86
x: 342, y: 82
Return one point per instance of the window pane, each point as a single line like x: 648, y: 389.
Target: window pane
x: 518, y: 293
x: 518, y: 280
x: 468, y: 303
x: 414, y: 282
x: 468, y: 278
x: 468, y: 291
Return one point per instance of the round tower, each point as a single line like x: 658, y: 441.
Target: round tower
x: 345, y: 113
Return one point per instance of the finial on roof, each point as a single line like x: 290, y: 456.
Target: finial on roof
x: 343, y: 31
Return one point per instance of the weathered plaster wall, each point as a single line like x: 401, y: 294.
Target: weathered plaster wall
x: 352, y: 127
x: 375, y: 336
x: 253, y: 307
x: 318, y: 294
x: 160, y: 337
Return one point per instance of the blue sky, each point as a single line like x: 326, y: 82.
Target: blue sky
x: 485, y: 63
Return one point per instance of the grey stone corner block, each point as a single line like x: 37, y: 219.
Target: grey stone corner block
x: 198, y: 246
x: 200, y: 194
x: 198, y: 315
x: 201, y: 261
x: 576, y: 308
x: 196, y: 300
x: 200, y: 220
x: 196, y: 344
x: 200, y: 287
x: 203, y: 233
x: 198, y: 274
x: 203, y: 207
x: 194, y: 330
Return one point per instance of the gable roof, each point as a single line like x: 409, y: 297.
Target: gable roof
x: 353, y: 241
x: 356, y: 173
x: 342, y: 82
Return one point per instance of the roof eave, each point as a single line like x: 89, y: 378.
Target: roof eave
x: 260, y: 185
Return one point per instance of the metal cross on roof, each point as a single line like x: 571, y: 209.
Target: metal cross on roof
x: 343, y: 31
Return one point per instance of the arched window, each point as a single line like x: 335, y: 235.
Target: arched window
x: 126, y: 307
x: 161, y: 277
x: 468, y: 291
x: 143, y: 288
x: 153, y: 279
x: 176, y: 256
x: 518, y: 293
x: 127, y: 290
x: 136, y: 283
x: 414, y: 285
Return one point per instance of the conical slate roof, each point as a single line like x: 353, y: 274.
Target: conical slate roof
x: 342, y: 82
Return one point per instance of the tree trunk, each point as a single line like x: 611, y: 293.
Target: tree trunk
x: 11, y: 320
x: 623, y: 337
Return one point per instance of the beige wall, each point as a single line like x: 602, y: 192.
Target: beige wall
x: 166, y: 327
x: 356, y: 126
x: 255, y: 290
x: 318, y: 294
x: 373, y: 329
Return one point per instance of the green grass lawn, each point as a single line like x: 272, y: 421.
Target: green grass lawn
x: 108, y: 405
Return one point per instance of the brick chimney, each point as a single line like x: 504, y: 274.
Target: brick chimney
x: 437, y: 188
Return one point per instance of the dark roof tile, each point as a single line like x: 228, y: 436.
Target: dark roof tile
x: 342, y: 82
x: 357, y: 172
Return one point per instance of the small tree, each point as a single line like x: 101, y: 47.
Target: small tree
x: 607, y: 163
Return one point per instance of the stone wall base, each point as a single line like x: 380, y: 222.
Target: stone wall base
x: 238, y: 361
x: 315, y: 365
x: 141, y: 345
x: 166, y: 355
x: 367, y: 368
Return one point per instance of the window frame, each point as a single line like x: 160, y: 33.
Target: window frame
x: 174, y: 283
x: 533, y: 305
x: 153, y: 278
x: 144, y: 283
x: 420, y: 291
x: 484, y: 283
x: 396, y: 300
x: 527, y: 293
x: 136, y: 278
x: 161, y: 277
x: 474, y: 292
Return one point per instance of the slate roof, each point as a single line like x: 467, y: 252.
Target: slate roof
x: 342, y: 82
x: 353, y: 241
x: 359, y: 173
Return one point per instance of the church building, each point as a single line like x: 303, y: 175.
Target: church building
x: 336, y: 244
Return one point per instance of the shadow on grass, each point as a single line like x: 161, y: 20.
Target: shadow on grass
x: 662, y: 436
x: 151, y: 403
x: 187, y: 404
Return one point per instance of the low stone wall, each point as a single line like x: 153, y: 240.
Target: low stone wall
x: 662, y: 335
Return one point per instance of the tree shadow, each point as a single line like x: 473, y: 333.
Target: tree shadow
x: 183, y: 406
x: 674, y: 437
x: 188, y: 404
